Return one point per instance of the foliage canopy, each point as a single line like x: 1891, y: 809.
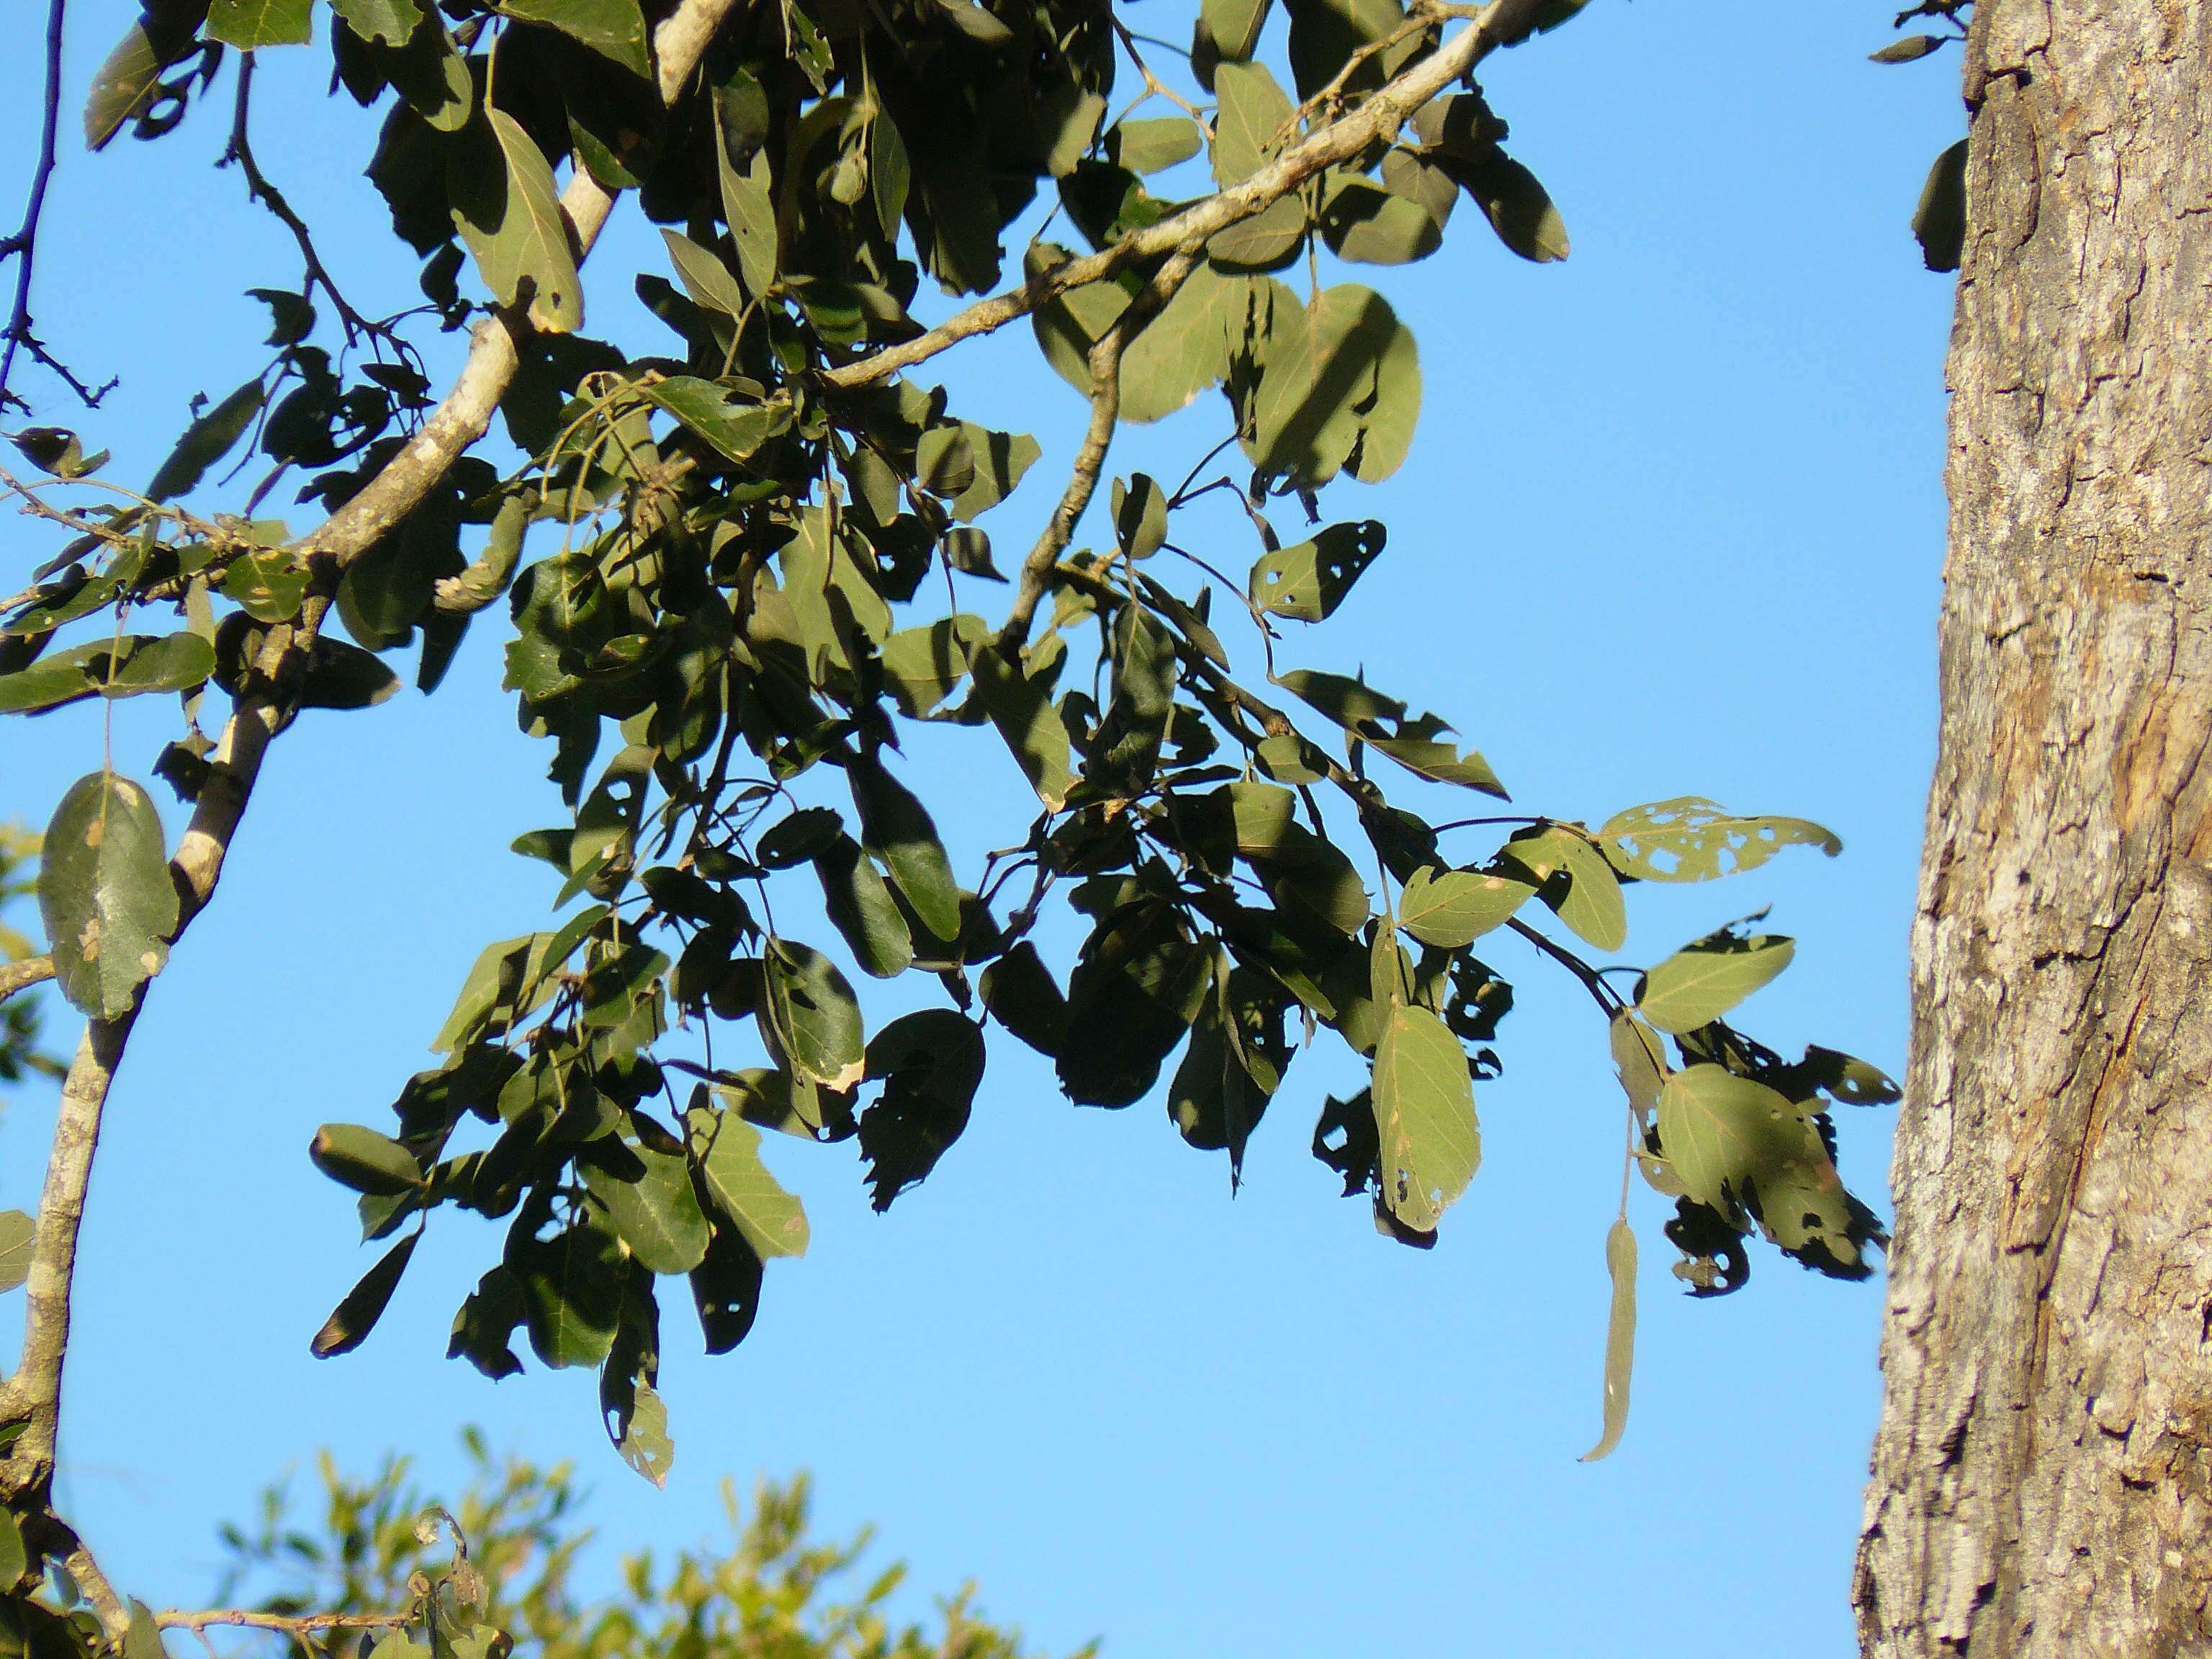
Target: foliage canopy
x: 742, y: 562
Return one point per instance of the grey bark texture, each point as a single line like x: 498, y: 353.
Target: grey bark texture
x: 2043, y: 1475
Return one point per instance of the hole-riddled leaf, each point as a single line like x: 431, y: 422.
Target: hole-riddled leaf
x: 645, y: 1444
x: 106, y: 894
x: 1691, y: 839
x: 931, y: 1063
x: 1308, y: 581
x: 1619, y: 1336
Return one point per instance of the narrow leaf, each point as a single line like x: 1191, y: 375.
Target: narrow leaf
x: 1619, y: 1336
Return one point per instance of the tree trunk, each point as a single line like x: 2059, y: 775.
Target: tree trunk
x: 2043, y: 1475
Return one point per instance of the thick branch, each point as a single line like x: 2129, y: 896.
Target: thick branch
x: 1376, y: 121
x: 465, y: 416
x: 22, y: 975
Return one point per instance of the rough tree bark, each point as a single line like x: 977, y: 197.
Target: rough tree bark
x: 2043, y: 1475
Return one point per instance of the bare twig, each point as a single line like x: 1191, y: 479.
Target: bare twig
x: 300, y: 1625
x: 22, y: 975
x: 22, y: 245
x: 259, y: 189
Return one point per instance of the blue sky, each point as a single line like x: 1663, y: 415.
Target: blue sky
x: 1673, y: 525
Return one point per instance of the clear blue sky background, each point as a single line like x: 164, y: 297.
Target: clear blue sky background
x: 1673, y: 525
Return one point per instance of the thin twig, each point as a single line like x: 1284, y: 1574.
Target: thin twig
x: 22, y: 245
x: 1091, y: 460
x: 291, y: 1624
x: 22, y: 975
x: 259, y: 189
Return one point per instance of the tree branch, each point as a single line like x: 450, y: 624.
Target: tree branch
x: 1376, y: 121
x: 22, y: 975
x: 494, y: 353
x: 22, y: 245
x: 1091, y: 460
x: 32, y: 1395
x: 300, y: 1625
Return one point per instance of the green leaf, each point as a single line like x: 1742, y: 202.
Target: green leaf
x: 1267, y: 240
x: 106, y: 894
x: 858, y: 903
x: 1640, y: 1059
x: 167, y: 33
x: 1697, y: 985
x: 1619, y: 1336
x: 1001, y: 458
x: 508, y: 211
x: 389, y: 20
x: 1939, y: 222
x: 646, y: 1190
x: 269, y: 586
x: 727, y: 1149
x: 364, y: 1160
x: 18, y: 1235
x: 249, y: 25
x: 931, y: 1063
x: 1457, y: 907
x: 1307, y: 582
x: 1905, y: 51
x: 15, y: 1561
x: 1518, y: 208
x: 572, y: 1292
x: 1588, y: 898
x: 206, y: 442
x: 130, y: 666
x: 1424, y: 1116
x: 1254, y: 110
x: 748, y: 208
x: 736, y: 426
x: 1691, y: 839
x: 1371, y: 224
x: 1140, y: 516
x: 355, y: 1317
x: 897, y: 827
x: 1233, y: 27
x: 1341, y: 387
x: 613, y: 28
x: 341, y: 675
x: 1023, y: 711
x: 705, y: 276
x: 1154, y: 146
x: 815, y: 1017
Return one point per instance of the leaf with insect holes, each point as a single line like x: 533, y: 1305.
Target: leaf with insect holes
x: 1308, y: 581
